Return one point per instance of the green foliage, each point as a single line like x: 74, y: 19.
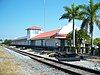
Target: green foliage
x: 7, y: 42
x: 0, y: 39
x: 91, y: 15
x: 80, y: 35
x: 71, y: 13
x: 96, y: 41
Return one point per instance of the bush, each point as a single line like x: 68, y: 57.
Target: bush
x: 7, y: 42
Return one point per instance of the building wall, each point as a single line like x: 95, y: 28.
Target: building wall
x: 32, y: 33
x: 51, y: 42
x: 32, y: 42
x: 47, y: 42
x: 21, y: 42
x: 44, y: 42
x: 38, y: 43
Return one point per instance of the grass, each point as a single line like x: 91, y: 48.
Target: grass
x: 8, y: 68
x: 7, y: 64
x: 2, y: 53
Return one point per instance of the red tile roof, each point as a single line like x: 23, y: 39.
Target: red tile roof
x: 46, y: 34
x: 61, y: 36
x: 34, y: 28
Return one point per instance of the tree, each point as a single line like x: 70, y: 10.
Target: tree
x: 91, y: 17
x: 96, y: 41
x: 0, y: 39
x: 7, y: 42
x: 83, y: 34
x: 80, y: 35
x: 72, y: 13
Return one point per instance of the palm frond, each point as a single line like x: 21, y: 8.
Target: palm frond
x: 98, y: 23
x: 70, y: 19
x: 96, y: 7
x: 98, y: 16
x: 67, y: 9
x: 79, y: 18
x: 85, y: 22
x: 85, y: 10
x: 65, y: 16
x: 88, y: 9
x: 81, y: 15
x: 82, y: 6
x: 77, y: 8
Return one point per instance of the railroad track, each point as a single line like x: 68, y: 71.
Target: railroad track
x: 68, y: 68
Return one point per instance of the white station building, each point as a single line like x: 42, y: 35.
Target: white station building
x: 36, y: 37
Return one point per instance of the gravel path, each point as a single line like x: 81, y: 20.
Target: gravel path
x: 31, y: 67
x: 85, y: 63
x: 88, y: 64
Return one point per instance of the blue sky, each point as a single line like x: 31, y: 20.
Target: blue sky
x: 17, y: 15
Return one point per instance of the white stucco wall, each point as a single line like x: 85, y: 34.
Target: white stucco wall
x: 51, y: 42
x: 47, y: 42
x: 21, y: 42
x: 32, y: 33
x: 38, y: 42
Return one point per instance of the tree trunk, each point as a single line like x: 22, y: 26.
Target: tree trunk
x: 73, y: 34
x: 62, y: 44
x: 92, y: 49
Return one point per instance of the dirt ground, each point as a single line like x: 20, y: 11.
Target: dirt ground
x: 12, y: 63
x: 10, y: 66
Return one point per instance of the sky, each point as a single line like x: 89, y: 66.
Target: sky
x: 17, y: 15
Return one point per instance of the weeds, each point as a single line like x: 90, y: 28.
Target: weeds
x: 7, y: 64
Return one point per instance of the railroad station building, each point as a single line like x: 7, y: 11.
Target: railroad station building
x: 37, y: 37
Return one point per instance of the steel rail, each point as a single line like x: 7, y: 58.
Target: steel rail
x: 66, y: 67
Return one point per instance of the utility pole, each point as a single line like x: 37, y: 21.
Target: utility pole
x: 44, y: 16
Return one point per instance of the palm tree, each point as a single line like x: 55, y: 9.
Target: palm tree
x: 91, y: 17
x: 80, y: 35
x: 72, y: 13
